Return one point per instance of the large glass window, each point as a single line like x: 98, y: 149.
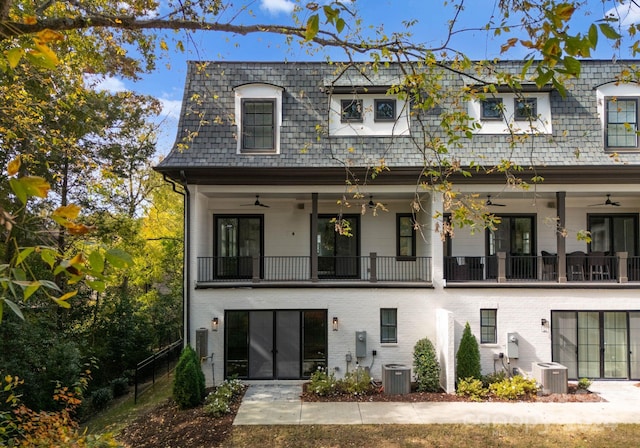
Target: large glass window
x: 388, y: 325
x: 258, y: 125
x: 491, y: 109
x: 338, y: 253
x: 488, y: 326
x: 525, y: 108
x: 614, y: 233
x: 238, y: 240
x: 622, y: 123
x: 406, y: 235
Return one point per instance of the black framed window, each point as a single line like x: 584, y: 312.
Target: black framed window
x: 488, y: 326
x: 405, y: 235
x: 525, y: 108
x: 258, y: 125
x: 491, y: 109
x: 388, y: 325
x: 351, y: 111
x: 621, y: 125
x: 613, y: 233
x: 238, y: 238
x: 385, y: 110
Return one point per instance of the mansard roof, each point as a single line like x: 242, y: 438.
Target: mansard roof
x: 208, y: 109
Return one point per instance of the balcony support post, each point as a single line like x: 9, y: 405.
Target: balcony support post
x: 255, y: 267
x: 623, y: 275
x: 561, y: 211
x: 314, y: 237
x: 373, y: 269
x: 502, y: 267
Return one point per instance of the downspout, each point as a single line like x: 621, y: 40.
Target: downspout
x: 186, y: 291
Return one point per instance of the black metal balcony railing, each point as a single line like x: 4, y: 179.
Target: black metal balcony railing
x: 578, y: 267
x: 371, y: 269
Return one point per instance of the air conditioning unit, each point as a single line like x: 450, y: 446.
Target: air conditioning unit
x: 396, y: 379
x: 552, y: 376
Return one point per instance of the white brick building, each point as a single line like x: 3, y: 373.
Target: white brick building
x: 273, y: 292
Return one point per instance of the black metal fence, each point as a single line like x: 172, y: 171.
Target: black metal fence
x: 154, y: 366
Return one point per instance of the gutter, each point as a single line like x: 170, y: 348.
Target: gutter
x: 186, y: 292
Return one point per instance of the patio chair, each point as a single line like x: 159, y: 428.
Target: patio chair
x: 575, y: 265
x: 598, y: 266
x: 549, y: 264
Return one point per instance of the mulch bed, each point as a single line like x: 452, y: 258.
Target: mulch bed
x: 168, y: 426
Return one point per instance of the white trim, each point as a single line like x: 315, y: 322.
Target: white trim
x: 541, y: 125
x: 259, y: 91
x: 618, y: 90
x: 368, y: 126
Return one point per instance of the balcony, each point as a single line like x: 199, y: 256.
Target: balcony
x: 270, y: 271
x: 576, y: 267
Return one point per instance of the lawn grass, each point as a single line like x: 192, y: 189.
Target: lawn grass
x: 118, y: 415
x: 414, y: 436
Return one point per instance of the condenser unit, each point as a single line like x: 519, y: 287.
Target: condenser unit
x: 396, y: 379
x: 552, y: 376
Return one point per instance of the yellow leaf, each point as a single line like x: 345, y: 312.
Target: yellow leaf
x: 77, y: 229
x: 163, y: 45
x: 68, y: 295
x: 70, y: 211
x: 46, y: 52
x: 35, y: 186
x: 46, y: 36
x: 79, y: 258
x: 13, y: 166
x: 14, y: 55
x: 30, y: 20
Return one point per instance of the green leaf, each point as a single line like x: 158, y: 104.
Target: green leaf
x: 49, y: 284
x: 18, y: 189
x: 572, y: 65
x: 593, y: 35
x: 96, y: 261
x: 96, y: 285
x: 340, y: 23
x: 313, y: 25
x: 48, y: 256
x: 29, y: 290
x: 543, y: 78
x: 608, y: 31
x: 119, y: 258
x: 24, y: 254
x: 15, y: 308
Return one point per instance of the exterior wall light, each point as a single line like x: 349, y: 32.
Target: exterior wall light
x: 335, y: 324
x: 214, y: 324
x: 544, y: 323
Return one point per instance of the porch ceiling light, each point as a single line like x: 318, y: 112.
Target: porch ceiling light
x: 335, y: 324
x: 214, y: 324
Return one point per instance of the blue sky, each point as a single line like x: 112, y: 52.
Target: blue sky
x: 167, y: 81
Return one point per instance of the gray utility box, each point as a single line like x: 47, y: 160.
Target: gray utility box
x: 552, y: 376
x: 396, y: 379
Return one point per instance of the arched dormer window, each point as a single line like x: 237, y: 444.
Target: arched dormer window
x: 258, y: 110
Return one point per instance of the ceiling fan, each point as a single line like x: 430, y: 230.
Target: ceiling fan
x: 607, y: 202
x: 490, y: 203
x: 256, y: 203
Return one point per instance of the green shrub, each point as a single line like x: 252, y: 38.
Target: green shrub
x: 468, y: 356
x: 494, y: 377
x: 356, y: 383
x: 188, y: 384
x: 100, y: 398
x: 472, y: 388
x: 218, y: 403
x: 514, y: 388
x: 584, y: 383
x: 120, y: 386
x: 426, y: 367
x: 323, y: 383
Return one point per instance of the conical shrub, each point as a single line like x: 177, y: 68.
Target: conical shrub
x: 468, y: 356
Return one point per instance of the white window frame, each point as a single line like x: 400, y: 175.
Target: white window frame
x: 368, y: 126
x: 540, y: 124
x: 259, y: 92
x: 622, y: 91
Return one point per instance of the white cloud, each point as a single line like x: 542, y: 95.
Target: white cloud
x: 628, y: 13
x: 170, y: 108
x: 99, y: 83
x: 277, y: 6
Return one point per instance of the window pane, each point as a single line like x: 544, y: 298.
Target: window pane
x: 491, y: 109
x: 622, y: 123
x: 388, y: 325
x: 406, y: 236
x: 258, y: 125
x: 385, y: 110
x: 488, y: 326
x: 525, y: 109
x: 351, y: 110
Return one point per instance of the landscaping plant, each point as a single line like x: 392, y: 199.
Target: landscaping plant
x: 426, y: 367
x: 514, y: 388
x: 188, y: 385
x: 472, y: 388
x: 218, y: 403
x: 468, y: 356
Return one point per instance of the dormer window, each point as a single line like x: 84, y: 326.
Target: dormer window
x: 491, y: 109
x: 525, y: 109
x: 351, y: 111
x: 621, y: 123
x: 258, y: 111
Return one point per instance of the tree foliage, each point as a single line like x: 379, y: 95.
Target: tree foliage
x: 468, y: 356
x: 426, y: 367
